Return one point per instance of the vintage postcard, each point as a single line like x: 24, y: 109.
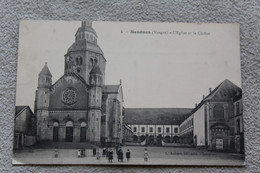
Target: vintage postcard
x: 122, y: 93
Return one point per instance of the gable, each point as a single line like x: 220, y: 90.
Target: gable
x: 69, y: 92
x: 225, y: 91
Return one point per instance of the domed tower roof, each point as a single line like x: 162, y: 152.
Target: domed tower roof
x: 95, y: 70
x: 45, y: 70
x: 86, y: 39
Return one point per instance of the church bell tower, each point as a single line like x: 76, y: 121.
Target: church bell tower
x: 95, y: 99
x: 42, y: 102
x: 84, y: 53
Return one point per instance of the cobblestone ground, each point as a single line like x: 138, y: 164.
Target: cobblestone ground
x: 157, y: 156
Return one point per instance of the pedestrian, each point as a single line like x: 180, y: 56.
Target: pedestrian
x: 98, y: 154
x: 56, y: 153
x: 104, y: 152
x: 110, y: 156
x: 79, y: 153
x: 145, y: 155
x: 121, y: 155
x: 128, y: 155
x: 94, y: 152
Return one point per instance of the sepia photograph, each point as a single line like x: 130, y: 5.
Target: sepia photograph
x: 128, y: 93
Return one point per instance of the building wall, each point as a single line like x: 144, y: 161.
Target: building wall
x: 62, y: 117
x: 155, y: 131
x: 22, y: 121
x: 199, y: 126
x: 221, y: 127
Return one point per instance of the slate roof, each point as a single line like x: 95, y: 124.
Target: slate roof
x: 20, y: 109
x: 110, y: 88
x: 226, y: 90
x: 45, y: 70
x: 166, y: 116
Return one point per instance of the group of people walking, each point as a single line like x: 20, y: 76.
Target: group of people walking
x: 108, y: 153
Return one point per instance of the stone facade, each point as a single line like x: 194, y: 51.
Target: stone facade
x: 217, y: 120
x: 79, y: 107
x: 216, y: 123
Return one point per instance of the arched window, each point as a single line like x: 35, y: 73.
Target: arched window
x: 83, y: 124
x: 135, y: 129
x: 218, y: 112
x: 238, y: 125
x: 55, y: 124
x: 83, y: 132
x: 80, y: 61
x: 77, y: 61
x: 69, y: 124
x: 237, y: 108
x: 151, y: 129
x: 69, y: 131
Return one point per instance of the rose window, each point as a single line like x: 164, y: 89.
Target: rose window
x: 70, y: 96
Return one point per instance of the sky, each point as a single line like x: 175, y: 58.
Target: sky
x: 161, y: 65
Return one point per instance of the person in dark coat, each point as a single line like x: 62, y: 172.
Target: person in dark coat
x: 94, y: 152
x: 121, y: 155
x: 128, y: 155
x: 110, y: 156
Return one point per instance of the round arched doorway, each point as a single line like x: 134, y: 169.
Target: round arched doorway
x: 69, y: 131
x: 55, y: 132
x: 83, y: 132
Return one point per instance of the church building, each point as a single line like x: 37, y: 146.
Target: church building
x: 79, y: 107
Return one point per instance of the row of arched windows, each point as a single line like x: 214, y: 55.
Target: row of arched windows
x: 69, y: 124
x: 69, y: 131
x: 83, y: 35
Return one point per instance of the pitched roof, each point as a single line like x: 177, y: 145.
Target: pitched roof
x: 20, y: 109
x: 225, y: 90
x: 110, y: 88
x: 166, y: 116
x: 45, y: 70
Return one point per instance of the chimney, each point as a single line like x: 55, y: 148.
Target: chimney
x: 209, y: 90
x: 203, y: 96
x: 196, y: 105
